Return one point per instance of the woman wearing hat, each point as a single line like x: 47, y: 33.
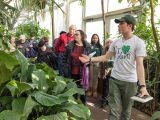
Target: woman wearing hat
x: 45, y: 54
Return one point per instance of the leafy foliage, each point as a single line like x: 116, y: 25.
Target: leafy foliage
x: 8, y: 14
x: 156, y: 116
x: 39, y: 94
x: 31, y: 28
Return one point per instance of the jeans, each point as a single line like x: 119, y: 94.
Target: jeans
x: 120, y: 103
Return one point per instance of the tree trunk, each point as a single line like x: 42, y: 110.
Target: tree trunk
x: 52, y: 17
x: 157, y: 73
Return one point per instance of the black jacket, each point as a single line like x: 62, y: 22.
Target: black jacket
x: 67, y: 56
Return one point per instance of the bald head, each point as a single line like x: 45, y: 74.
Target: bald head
x: 72, y: 29
x: 108, y: 43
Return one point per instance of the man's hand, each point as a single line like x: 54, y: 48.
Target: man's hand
x: 84, y: 58
x: 144, y: 92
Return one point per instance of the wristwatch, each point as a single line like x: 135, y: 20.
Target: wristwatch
x: 141, y: 86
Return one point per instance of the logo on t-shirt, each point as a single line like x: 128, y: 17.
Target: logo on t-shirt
x: 124, y: 52
x: 125, y: 49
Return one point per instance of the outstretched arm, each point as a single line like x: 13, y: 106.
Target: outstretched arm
x: 85, y: 58
x: 141, y: 76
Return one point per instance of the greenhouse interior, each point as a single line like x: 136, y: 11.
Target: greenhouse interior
x: 79, y: 60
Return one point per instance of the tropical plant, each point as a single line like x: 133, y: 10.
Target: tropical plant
x: 156, y: 116
x: 29, y: 28
x: 4, y: 37
x: 35, y: 92
x: 8, y: 14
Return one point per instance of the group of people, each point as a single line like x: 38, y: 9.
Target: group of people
x: 32, y: 48
x: 69, y: 47
x: 72, y: 52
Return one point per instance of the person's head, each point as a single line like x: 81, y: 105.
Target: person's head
x: 80, y: 36
x: 62, y: 32
x: 22, y: 38
x: 42, y: 45
x: 95, y: 39
x: 11, y: 39
x: 32, y: 36
x: 46, y: 39
x: 72, y: 29
x: 126, y: 24
x: 108, y: 43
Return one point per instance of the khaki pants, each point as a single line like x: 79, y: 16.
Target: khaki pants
x: 93, y: 75
x: 120, y: 103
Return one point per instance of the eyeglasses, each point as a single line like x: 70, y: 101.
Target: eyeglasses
x: 76, y: 34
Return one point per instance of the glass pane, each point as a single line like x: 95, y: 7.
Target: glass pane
x: 115, y: 5
x: 94, y: 7
x: 46, y: 23
x: 76, y: 14
x: 59, y: 1
x: 94, y: 27
x: 113, y: 29
x: 58, y: 21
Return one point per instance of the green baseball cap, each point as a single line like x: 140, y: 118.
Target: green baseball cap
x: 127, y: 18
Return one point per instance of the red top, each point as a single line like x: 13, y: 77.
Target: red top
x: 77, y: 51
x: 64, y: 39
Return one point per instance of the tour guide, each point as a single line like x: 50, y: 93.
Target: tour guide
x: 129, y: 52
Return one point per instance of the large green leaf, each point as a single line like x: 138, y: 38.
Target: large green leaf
x: 9, y: 115
x: 78, y: 110
x: 5, y: 73
x: 23, y: 106
x: 18, y: 105
x: 12, y: 86
x: 8, y: 60
x: 23, y: 87
x: 38, y: 77
x: 31, y: 68
x: 156, y: 116
x: 58, y: 116
x: 18, y: 88
x: 69, y: 93
x: 23, y: 63
x: 29, y: 105
x: 49, y: 74
x: 60, y: 84
x: 46, y: 99
x: 48, y: 70
x: 5, y: 102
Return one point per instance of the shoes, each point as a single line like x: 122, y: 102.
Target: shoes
x: 94, y: 94
x: 89, y: 93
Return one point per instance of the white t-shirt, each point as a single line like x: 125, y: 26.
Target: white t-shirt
x: 126, y: 52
